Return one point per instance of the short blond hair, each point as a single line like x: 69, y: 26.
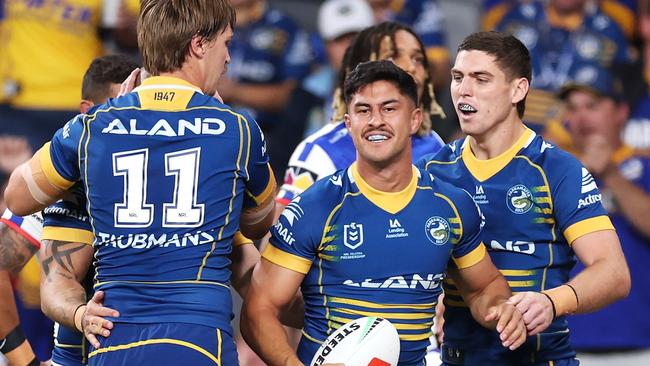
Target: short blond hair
x: 166, y: 28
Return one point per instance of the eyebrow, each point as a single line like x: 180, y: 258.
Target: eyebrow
x: 473, y: 73
x: 364, y: 104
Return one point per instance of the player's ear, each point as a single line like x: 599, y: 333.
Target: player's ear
x: 346, y: 119
x: 85, y: 105
x: 416, y: 120
x: 519, y: 89
x: 197, y: 47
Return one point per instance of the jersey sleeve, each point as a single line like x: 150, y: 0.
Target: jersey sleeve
x: 577, y: 200
x: 29, y: 227
x: 67, y: 220
x: 260, y: 181
x: 470, y: 248
x: 60, y: 157
x: 295, y: 237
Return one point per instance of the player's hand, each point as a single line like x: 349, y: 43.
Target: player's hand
x: 510, y: 324
x: 93, y: 322
x: 131, y: 82
x: 439, y: 320
x: 536, y: 308
x: 46, y: 363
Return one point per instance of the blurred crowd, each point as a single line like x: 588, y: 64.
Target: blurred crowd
x: 589, y: 95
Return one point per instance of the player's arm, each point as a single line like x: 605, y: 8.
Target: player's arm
x: 63, y: 267
x: 257, y: 213
x: 255, y: 221
x: 605, y: 279
x: 29, y: 190
x: 15, y: 251
x: 272, y: 290
x: 486, y: 292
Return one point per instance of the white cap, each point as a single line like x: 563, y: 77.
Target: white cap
x: 339, y: 17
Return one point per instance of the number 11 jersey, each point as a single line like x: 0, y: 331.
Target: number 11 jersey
x: 166, y: 170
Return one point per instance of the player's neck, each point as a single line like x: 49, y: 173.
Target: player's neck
x: 188, y: 74
x: 497, y: 140
x: 393, y: 177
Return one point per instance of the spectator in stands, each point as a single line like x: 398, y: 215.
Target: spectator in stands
x: 270, y: 55
x: 427, y: 20
x: 621, y: 11
x: 567, y: 39
x: 46, y: 47
x: 338, y: 22
x: 637, y: 131
x: 596, y: 114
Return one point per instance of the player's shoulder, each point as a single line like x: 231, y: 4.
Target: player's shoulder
x: 451, y: 191
x: 448, y: 153
x: 551, y: 158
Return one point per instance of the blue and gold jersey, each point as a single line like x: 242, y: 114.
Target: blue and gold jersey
x: 536, y: 199
x: 371, y: 253
x: 166, y: 171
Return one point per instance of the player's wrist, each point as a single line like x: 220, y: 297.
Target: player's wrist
x: 16, y: 348
x: 564, y: 299
x: 78, y: 316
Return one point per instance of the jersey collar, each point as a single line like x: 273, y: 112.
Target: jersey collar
x: 482, y: 170
x: 391, y: 202
x: 166, y: 82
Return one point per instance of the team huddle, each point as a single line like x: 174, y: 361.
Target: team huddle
x: 143, y: 209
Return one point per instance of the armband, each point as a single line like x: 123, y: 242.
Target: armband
x: 564, y: 298
x: 13, y: 340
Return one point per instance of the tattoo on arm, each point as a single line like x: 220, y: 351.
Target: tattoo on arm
x: 63, y: 265
x: 15, y: 250
x: 57, y: 255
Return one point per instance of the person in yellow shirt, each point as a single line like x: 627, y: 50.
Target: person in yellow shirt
x: 46, y: 47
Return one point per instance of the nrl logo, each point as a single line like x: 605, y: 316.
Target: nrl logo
x: 353, y: 235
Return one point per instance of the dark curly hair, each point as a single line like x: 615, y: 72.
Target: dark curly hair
x: 366, y: 47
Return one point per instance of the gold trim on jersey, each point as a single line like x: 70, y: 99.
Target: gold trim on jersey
x: 286, y: 260
x: 52, y: 175
x: 587, y: 226
x: 165, y: 93
x: 194, y: 282
x: 472, y: 257
x: 529, y: 283
x: 304, y: 333
x: 232, y: 198
x: 177, y: 342
x: 426, y: 326
x: 239, y: 239
x: 517, y: 272
x: 407, y: 316
x: 454, y: 220
x: 483, y: 170
x: 391, y: 202
x: 268, y: 191
x: 342, y: 300
x: 68, y: 234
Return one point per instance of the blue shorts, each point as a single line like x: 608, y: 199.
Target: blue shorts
x: 480, y: 357
x: 70, y: 347
x: 164, y: 344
